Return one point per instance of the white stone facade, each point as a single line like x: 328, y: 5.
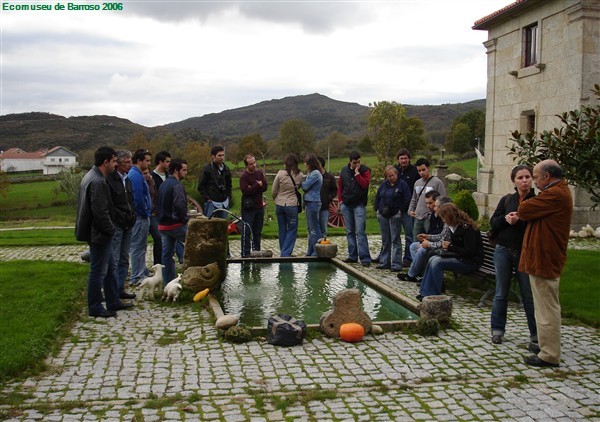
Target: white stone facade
x: 518, y: 96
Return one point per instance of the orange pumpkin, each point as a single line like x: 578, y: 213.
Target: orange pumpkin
x: 325, y: 242
x: 352, y: 332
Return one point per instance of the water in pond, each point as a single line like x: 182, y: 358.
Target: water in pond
x: 305, y: 290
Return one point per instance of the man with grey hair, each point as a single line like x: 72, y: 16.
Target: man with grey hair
x: 122, y: 199
x: 543, y: 256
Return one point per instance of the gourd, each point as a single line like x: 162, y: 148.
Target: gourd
x: 325, y: 241
x: 200, y: 295
x: 352, y: 332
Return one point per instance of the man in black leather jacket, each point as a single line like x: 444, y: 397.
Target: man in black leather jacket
x: 94, y: 225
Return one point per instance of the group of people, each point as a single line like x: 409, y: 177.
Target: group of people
x: 121, y: 202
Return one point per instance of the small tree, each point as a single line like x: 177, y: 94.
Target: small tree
x: 4, y: 184
x: 575, y: 146
x: 68, y: 183
x: 297, y: 136
x: 390, y: 129
x: 464, y: 201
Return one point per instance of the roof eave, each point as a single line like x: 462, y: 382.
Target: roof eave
x: 504, y: 14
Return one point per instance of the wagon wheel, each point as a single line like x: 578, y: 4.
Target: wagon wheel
x: 192, y: 204
x: 336, y: 219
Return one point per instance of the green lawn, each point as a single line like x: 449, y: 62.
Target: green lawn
x: 38, y: 302
x: 579, y: 294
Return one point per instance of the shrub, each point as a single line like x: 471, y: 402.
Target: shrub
x: 238, y: 334
x: 464, y: 200
x: 68, y: 183
x: 484, y: 223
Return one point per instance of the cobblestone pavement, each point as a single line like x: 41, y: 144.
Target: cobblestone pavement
x: 167, y: 362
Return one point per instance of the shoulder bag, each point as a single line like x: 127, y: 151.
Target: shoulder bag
x: 298, y: 194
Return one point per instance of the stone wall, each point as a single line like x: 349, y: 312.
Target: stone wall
x: 568, y: 65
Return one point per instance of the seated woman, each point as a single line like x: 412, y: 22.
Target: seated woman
x: 461, y: 253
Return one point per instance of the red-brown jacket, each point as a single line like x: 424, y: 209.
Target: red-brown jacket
x: 548, y: 217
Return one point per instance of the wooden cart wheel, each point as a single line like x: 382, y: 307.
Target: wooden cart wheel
x: 336, y: 219
x: 192, y: 204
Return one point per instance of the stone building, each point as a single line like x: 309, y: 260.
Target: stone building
x: 543, y: 58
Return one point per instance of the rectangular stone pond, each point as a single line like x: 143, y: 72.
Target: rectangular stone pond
x: 303, y: 288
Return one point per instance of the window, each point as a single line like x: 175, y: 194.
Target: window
x: 528, y: 121
x: 530, y: 41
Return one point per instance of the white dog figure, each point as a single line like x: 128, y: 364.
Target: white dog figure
x: 150, y: 284
x: 172, y: 290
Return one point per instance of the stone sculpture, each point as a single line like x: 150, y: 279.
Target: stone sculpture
x: 199, y: 278
x: 346, y: 308
x: 206, y: 243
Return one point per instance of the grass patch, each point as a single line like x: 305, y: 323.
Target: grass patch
x: 170, y: 337
x: 38, y: 237
x: 38, y: 300
x: 578, y: 298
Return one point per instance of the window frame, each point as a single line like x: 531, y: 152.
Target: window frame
x: 531, y: 38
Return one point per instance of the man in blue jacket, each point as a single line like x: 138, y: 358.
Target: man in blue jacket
x: 143, y: 208
x: 172, y: 214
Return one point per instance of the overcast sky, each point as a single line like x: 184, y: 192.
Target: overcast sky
x: 156, y: 62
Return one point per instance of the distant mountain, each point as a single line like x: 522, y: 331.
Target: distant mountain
x: 31, y: 131
x: 322, y: 113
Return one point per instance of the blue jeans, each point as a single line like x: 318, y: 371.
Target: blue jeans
x: 418, y: 226
x: 313, y: 225
x: 324, y: 221
x: 419, y: 259
x: 287, y: 222
x: 169, y: 242
x: 433, y: 278
x: 255, y: 219
x: 156, y: 240
x: 391, y: 243
x: 139, y: 244
x: 209, y: 210
x: 407, y: 223
x: 102, y: 277
x: 355, y: 220
x: 121, y: 245
x: 506, y: 261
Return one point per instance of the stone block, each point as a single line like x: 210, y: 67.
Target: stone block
x: 436, y: 307
x: 346, y: 308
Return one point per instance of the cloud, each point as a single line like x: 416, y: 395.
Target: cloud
x: 312, y: 17
x: 159, y: 62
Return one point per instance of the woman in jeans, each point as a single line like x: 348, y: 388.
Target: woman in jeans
x: 508, y: 232
x: 461, y: 253
x: 312, y: 201
x: 285, y: 186
x: 391, y: 201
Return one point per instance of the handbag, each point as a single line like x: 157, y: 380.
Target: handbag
x: 298, y: 194
x: 247, y: 203
x: 285, y: 330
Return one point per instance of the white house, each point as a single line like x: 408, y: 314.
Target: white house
x: 49, y: 162
x: 57, y: 159
x: 543, y: 59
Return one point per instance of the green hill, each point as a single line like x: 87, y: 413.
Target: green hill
x: 31, y: 131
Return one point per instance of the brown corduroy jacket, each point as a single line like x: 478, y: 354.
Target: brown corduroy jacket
x: 548, y: 217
